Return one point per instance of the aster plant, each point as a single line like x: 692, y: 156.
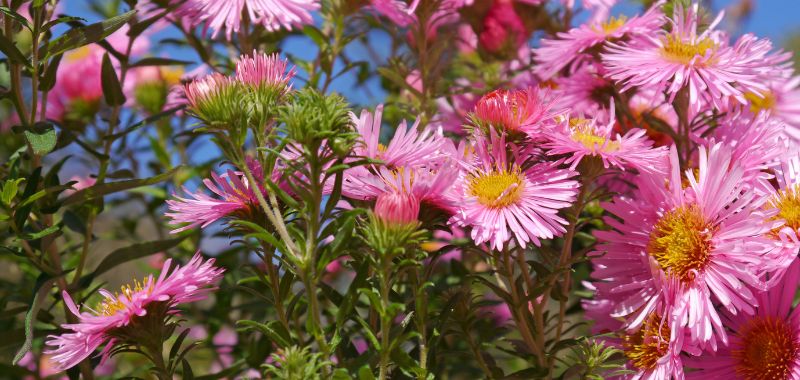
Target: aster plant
x: 396, y: 189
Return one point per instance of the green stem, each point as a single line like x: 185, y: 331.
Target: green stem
x: 386, y: 318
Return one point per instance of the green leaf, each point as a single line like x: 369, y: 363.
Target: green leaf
x: 131, y: 252
x: 272, y: 329
x: 102, y: 189
x: 16, y: 16
x: 10, y: 189
x: 43, y: 233
x: 12, y: 52
x: 42, y: 138
x: 38, y: 300
x: 112, y: 90
x: 77, y: 37
x: 159, y: 61
x: 48, y: 80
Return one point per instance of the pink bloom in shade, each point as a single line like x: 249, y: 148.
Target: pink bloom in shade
x: 81, y: 183
x: 500, y: 199
x: 710, y: 236
x: 234, y: 196
x: 580, y: 138
x: 584, y: 91
x: 758, y: 141
x: 397, y: 208
x: 516, y: 111
x: 502, y: 28
x: 430, y: 186
x: 264, y: 70
x: 705, y: 64
x: 782, y: 101
x: 407, y: 148
x: 273, y: 15
x: 499, y: 312
x: 765, y: 345
x: 653, y: 349
x: 106, y: 324
x: 454, y: 109
x: 399, y: 12
x: 577, y: 44
x: 467, y: 39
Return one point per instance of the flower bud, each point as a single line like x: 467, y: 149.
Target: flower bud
x: 397, y: 208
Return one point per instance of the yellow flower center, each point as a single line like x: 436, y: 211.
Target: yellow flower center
x: 760, y: 102
x: 78, y: 54
x: 613, y: 24
x: 787, y: 202
x: 768, y: 350
x: 681, y: 242
x: 677, y: 50
x: 497, y: 188
x: 645, y: 347
x: 111, y: 306
x: 585, y: 133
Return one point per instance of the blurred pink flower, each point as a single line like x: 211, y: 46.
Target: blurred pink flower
x: 503, y: 29
x: 273, y: 15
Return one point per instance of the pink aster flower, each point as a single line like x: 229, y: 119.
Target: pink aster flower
x: 407, y: 148
x: 264, y: 70
x: 782, y: 101
x: 580, y: 138
x: 576, y: 44
x: 234, y: 197
x: 151, y: 298
x: 653, y: 349
x: 704, y: 63
x: 430, y: 186
x: 500, y: 199
x: 502, y: 29
x: 273, y: 15
x: 398, y: 11
x: 397, y: 207
x: 585, y: 91
x: 765, y: 345
x: 709, y: 236
x: 515, y: 111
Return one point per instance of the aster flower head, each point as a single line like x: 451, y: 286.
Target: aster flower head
x: 397, y: 208
x: 709, y: 236
x: 764, y: 345
x: 430, y: 186
x: 408, y: 147
x: 581, y: 138
x: 232, y: 196
x: 514, y: 111
x: 781, y: 101
x: 577, y: 44
x: 214, y: 98
x: 122, y: 314
x: 500, y: 199
x: 273, y: 15
x: 702, y: 63
x: 652, y: 349
x: 264, y: 72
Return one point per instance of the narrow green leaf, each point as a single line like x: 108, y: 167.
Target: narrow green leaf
x: 16, y: 16
x: 272, y: 329
x: 12, y: 52
x: 77, y: 37
x: 48, y: 80
x: 112, y: 90
x: 132, y: 252
x: 100, y: 190
x: 159, y: 61
x: 38, y: 300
